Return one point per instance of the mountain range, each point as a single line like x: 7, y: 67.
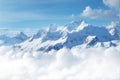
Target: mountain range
x: 75, y: 34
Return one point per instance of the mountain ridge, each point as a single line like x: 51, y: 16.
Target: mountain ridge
x: 77, y: 33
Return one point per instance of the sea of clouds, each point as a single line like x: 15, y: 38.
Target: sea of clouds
x: 65, y: 64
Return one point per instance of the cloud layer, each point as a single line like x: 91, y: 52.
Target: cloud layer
x: 65, y: 64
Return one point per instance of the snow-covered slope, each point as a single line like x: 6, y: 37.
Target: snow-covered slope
x: 5, y: 40
x: 77, y: 33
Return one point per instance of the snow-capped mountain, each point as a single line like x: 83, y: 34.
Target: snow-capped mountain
x: 54, y: 37
x: 6, y: 40
x: 77, y: 33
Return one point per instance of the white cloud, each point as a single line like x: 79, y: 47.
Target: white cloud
x: 112, y: 3
x: 97, y: 13
x: 65, y: 64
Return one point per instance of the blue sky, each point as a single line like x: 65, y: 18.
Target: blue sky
x: 40, y: 13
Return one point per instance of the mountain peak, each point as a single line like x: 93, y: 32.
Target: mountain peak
x: 51, y: 27
x: 82, y: 25
x: 21, y: 36
x: 73, y: 25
